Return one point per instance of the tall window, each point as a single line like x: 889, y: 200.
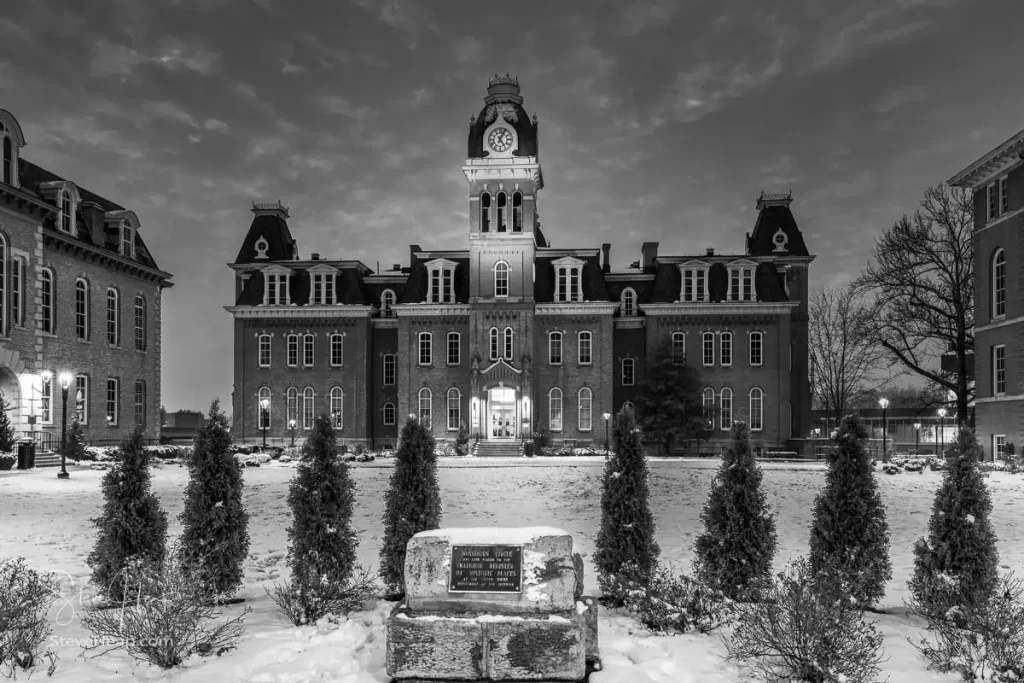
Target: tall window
x: 291, y: 407
x: 112, y: 398
x: 140, y: 403
x: 555, y: 348
x: 8, y: 168
x: 741, y: 284
x: 678, y: 348
x: 998, y: 198
x: 726, y: 348
x: 494, y: 342
x: 277, y: 293
x: 999, y: 284
x: 756, y: 348
x: 388, y: 413
x: 999, y: 369
x: 113, y: 318
x: 263, y: 416
x: 501, y: 279
x: 585, y: 349
x: 628, y: 303
x: 337, y: 408
x: 517, y: 212
x: 502, y: 212
x: 454, y: 348
x: 81, y: 398
x: 387, y: 300
x: 999, y: 446
x: 337, y: 350
x: 18, y: 291
x: 308, y: 403
x: 3, y: 285
x: 441, y: 288
x: 323, y: 289
x: 509, y: 344
x: 82, y: 309
x: 46, y: 401
x: 555, y: 410
x: 308, y: 345
x: 425, y: 350
x: 628, y: 372
x: 140, y: 322
x: 425, y: 400
x: 585, y: 412
x: 46, y: 308
x: 725, y: 403
x: 293, y: 350
x: 756, y: 409
x: 708, y: 339
x: 389, y: 369
x: 67, y: 216
x: 454, y: 410
x: 567, y: 280
x: 708, y: 405
x: 127, y: 243
x: 485, y: 212
x: 264, y: 351
x: 695, y: 284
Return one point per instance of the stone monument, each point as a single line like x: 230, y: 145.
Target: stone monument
x: 492, y: 604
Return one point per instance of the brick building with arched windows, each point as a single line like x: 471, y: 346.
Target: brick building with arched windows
x: 512, y: 335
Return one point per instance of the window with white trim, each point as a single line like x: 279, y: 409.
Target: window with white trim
x: 82, y: 398
x: 264, y: 350
x: 501, y: 273
x: 725, y: 349
x: 628, y: 372
x: 999, y: 370
x: 81, y: 309
x: 291, y: 407
x: 337, y: 350
x: 999, y: 284
x: 140, y: 403
x: 263, y: 416
x: 140, y: 322
x: 308, y: 347
x: 586, y: 348
x: 425, y: 350
x: 695, y: 284
x: 66, y: 219
x: 708, y: 407
x: 10, y: 162
x: 509, y: 343
x: 337, y: 408
x: 708, y: 339
x: 756, y: 348
x: 127, y: 239
x: 586, y: 418
x: 554, y: 348
x: 323, y: 289
x: 18, y: 291
x: 741, y: 283
x: 485, y: 212
x: 277, y: 290
x: 999, y: 446
x: 454, y: 409
x: 113, y: 396
x: 998, y: 198
x: 756, y: 409
x: 454, y: 348
x: 627, y: 302
x: 425, y: 406
x: 47, y: 322
x: 292, y: 344
x: 555, y: 409
x: 308, y: 405
x: 388, y: 412
x: 725, y: 403
x: 387, y: 300
x: 389, y: 369
x: 678, y: 348
x: 46, y: 401
x: 568, y: 275
x: 494, y: 343
x: 113, y: 317
x: 440, y: 281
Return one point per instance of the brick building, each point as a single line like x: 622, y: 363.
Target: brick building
x: 997, y: 181
x: 79, y: 294
x: 511, y: 335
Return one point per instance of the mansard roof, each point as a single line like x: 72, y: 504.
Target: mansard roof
x: 774, y: 215
x: 668, y: 282
x: 271, y: 225
x: 592, y: 279
x: 415, y: 290
x: 503, y: 99
x: 348, y: 285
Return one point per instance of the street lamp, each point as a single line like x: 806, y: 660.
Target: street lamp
x: 65, y: 383
x: 606, y: 416
x: 265, y: 419
x: 917, y: 431
x: 942, y: 431
x: 884, y: 402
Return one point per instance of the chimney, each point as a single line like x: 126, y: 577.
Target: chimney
x: 315, y: 256
x: 95, y: 221
x: 650, y: 253
x: 607, y: 264
x: 397, y: 267
x: 711, y: 252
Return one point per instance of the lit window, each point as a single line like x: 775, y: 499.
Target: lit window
x: 389, y: 413
x: 709, y: 407
x: 387, y: 300
x: 292, y: 407
x: 308, y: 346
x: 725, y: 403
x: 756, y: 348
x: 112, y: 399
x: 709, y: 348
x: 678, y: 348
x: 113, y: 318
x: 293, y: 350
x: 726, y: 349
x: 509, y: 343
x: 140, y: 403
x: 585, y: 413
x: 999, y: 369
x: 46, y: 294
x: 263, y: 415
x: 82, y: 309
x: 264, y: 351
x: 628, y: 372
x: 756, y: 409
x: 81, y: 398
x: 46, y: 401
x: 337, y: 350
x: 308, y: 404
x: 555, y: 410
x: 425, y: 400
x: 999, y: 284
x: 454, y: 409
x: 555, y: 348
x: 454, y: 348
x: 628, y: 303
x: 501, y: 279
x: 389, y: 369
x: 140, y: 323
x: 337, y: 408
x: 425, y: 350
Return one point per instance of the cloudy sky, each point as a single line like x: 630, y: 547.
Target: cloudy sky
x: 659, y: 121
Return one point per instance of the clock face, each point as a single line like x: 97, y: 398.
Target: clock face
x: 500, y: 139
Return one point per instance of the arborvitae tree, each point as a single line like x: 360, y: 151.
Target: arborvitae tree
x: 321, y: 543
x: 626, y: 549
x: 75, y: 447
x: 215, y: 537
x: 735, y: 552
x: 131, y: 525
x: 849, y: 532
x: 7, y: 434
x: 412, y: 503
x: 669, y: 408
x: 961, y: 545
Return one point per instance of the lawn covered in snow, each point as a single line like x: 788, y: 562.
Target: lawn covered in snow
x: 46, y: 520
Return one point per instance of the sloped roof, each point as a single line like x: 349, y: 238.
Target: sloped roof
x: 274, y: 229
x: 415, y: 290
x: 592, y: 280
x: 348, y: 288
x: 769, y: 221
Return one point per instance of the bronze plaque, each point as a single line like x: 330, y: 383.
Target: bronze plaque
x: 486, y: 569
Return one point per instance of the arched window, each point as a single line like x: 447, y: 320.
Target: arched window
x: 709, y: 407
x: 263, y: 414
x: 454, y: 409
x: 264, y: 351
x: 81, y: 309
x: 308, y: 398
x: 46, y: 294
x: 292, y: 408
x: 426, y: 348
x: 387, y: 300
x: 388, y: 412
x: 756, y: 348
x: 454, y: 348
x: 140, y: 324
x: 726, y: 407
x: 725, y: 348
x: 678, y: 348
x: 485, y: 212
x: 509, y: 346
x: 585, y: 410
x: 586, y: 348
x: 999, y: 284
x: 555, y: 410
x: 425, y: 400
x: 308, y: 346
x: 517, y: 212
x: 628, y: 302
x: 494, y: 342
x: 502, y: 212
x: 501, y: 271
x: 292, y: 345
x: 337, y: 408
x: 756, y: 409
x: 337, y: 350
x: 113, y: 318
x: 555, y: 348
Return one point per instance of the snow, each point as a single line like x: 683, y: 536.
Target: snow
x: 490, y: 534
x: 46, y: 520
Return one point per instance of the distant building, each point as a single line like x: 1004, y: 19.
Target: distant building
x: 511, y: 335
x: 181, y: 425
x: 80, y: 293
x: 997, y: 181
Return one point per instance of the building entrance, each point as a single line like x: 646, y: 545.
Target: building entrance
x: 501, y: 419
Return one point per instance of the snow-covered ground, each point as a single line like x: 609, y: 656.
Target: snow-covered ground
x: 46, y: 520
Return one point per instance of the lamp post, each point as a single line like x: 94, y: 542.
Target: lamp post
x: 291, y: 426
x: 917, y: 438
x: 65, y: 384
x: 606, y: 416
x: 942, y: 431
x: 884, y: 402
x: 265, y: 419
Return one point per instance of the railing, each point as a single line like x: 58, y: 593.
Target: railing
x: 44, y: 441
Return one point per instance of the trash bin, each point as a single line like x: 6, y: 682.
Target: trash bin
x: 26, y: 455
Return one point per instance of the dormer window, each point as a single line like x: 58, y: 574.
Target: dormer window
x: 695, y: 283
x: 8, y: 170
x: 277, y: 291
x: 387, y: 300
x: 11, y: 140
x: 741, y: 283
x: 67, y: 213
x: 441, y: 281
x: 568, y: 275
x: 485, y: 212
x: 127, y: 239
x: 517, y: 212
x: 323, y: 286
x: 501, y: 279
x: 628, y: 302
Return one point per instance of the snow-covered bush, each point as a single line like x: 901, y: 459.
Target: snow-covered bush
x: 981, y: 643
x: 7, y: 460
x: 305, y: 603
x: 8, y: 436
x: 25, y: 599
x: 806, y: 629
x: 665, y: 603
x: 170, y: 622
x: 74, y: 448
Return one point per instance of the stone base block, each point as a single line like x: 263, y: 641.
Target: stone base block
x: 487, y: 647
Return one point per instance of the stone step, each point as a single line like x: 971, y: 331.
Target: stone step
x: 491, y: 449
x: 47, y: 460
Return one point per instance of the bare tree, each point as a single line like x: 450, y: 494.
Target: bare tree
x: 847, y: 364
x: 921, y: 280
